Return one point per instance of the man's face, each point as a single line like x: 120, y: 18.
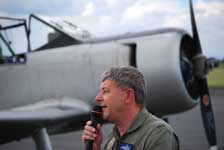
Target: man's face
x: 112, y: 99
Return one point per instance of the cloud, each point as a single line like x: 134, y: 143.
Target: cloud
x: 46, y: 7
x: 89, y: 9
x: 111, y: 3
x: 141, y: 9
x: 211, y: 8
x: 108, y: 17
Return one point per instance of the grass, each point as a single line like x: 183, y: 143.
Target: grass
x: 216, y: 77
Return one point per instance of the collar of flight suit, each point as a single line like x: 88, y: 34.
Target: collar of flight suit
x: 137, y: 122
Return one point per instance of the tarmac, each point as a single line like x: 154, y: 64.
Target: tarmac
x: 188, y: 126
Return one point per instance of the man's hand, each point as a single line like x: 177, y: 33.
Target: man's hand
x: 91, y: 133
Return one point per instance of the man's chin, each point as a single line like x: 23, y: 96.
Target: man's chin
x: 106, y: 118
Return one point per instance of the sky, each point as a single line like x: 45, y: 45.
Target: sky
x: 110, y: 17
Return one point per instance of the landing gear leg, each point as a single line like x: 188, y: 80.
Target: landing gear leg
x: 42, y: 140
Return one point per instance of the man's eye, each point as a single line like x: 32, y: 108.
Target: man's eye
x: 106, y: 91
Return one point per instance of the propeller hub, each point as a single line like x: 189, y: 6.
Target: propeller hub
x: 203, y: 65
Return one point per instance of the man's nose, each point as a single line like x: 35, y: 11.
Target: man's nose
x: 99, y: 97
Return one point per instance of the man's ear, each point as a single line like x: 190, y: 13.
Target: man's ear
x: 130, y: 96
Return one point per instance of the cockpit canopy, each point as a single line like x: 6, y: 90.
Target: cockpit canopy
x: 17, y: 37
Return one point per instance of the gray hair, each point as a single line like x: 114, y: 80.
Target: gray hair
x: 128, y: 77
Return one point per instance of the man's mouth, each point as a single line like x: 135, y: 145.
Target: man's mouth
x: 103, y: 107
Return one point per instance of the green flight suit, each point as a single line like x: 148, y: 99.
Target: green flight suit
x: 147, y: 132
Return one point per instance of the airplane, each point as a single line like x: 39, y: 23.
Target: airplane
x: 50, y: 89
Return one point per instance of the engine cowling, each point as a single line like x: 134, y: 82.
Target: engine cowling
x: 165, y: 62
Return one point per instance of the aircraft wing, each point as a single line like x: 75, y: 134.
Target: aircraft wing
x: 55, y: 115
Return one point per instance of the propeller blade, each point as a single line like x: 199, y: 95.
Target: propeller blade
x: 196, y: 40
x: 205, y: 101
x: 207, y: 114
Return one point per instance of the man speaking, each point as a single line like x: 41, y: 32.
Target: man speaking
x: 122, y: 98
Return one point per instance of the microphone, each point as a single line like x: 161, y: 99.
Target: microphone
x: 96, y: 117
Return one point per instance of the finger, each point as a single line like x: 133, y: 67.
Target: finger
x: 86, y: 137
x: 89, y: 128
x: 99, y: 128
x: 89, y: 133
x: 89, y: 123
